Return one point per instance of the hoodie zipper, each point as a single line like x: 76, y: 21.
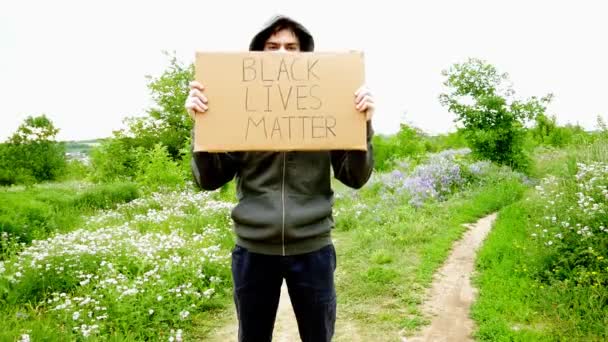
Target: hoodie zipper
x: 283, y: 201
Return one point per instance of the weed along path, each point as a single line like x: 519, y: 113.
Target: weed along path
x: 448, y: 301
x: 451, y: 293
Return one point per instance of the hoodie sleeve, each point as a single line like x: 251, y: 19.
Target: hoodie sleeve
x: 353, y: 168
x: 212, y: 170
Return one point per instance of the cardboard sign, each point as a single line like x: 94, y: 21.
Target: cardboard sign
x: 263, y: 101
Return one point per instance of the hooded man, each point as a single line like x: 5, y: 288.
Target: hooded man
x: 283, y: 218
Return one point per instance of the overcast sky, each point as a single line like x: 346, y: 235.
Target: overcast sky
x: 83, y: 62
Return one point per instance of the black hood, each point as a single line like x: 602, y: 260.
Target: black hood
x: 307, y: 43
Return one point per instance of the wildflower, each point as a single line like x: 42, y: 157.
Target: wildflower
x: 129, y: 292
x: 184, y: 314
x: 209, y: 292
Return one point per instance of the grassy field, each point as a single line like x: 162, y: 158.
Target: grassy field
x: 139, y: 271
x: 387, y: 258
x: 543, y: 270
x: 36, y: 212
x: 109, y: 263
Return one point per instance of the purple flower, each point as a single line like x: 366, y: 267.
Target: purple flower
x: 440, y: 176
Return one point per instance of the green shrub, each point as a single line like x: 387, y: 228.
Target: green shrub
x: 113, y: 159
x: 493, y: 122
x: 156, y: 169
x: 76, y: 170
x: 409, y: 143
x: 31, y: 154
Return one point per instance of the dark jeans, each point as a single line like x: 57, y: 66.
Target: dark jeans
x: 310, y: 281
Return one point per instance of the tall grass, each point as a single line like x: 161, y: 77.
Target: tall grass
x: 543, y: 271
x: 34, y: 213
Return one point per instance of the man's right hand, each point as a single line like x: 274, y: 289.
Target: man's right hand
x: 196, y: 101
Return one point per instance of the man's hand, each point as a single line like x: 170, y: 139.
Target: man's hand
x: 196, y: 101
x: 364, y: 102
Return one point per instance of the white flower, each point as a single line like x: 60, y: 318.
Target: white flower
x: 129, y: 292
x: 25, y: 338
x: 76, y: 315
x: 85, y: 301
x: 159, y: 298
x: 184, y: 314
x: 150, y: 312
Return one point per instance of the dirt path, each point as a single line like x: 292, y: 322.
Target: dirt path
x: 449, y: 300
x: 451, y: 294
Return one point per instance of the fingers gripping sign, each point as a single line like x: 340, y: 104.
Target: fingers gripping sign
x: 364, y: 102
x: 196, y: 101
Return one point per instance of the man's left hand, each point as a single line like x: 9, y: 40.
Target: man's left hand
x: 364, y: 102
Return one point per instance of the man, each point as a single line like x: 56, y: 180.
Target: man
x: 283, y: 218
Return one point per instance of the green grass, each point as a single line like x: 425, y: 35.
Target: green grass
x: 34, y: 213
x: 514, y: 306
x: 388, y: 254
x: 529, y: 292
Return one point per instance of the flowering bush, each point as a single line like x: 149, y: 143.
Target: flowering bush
x: 142, y: 268
x: 574, y: 227
x: 443, y: 174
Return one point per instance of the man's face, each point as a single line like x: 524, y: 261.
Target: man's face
x: 283, y: 41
